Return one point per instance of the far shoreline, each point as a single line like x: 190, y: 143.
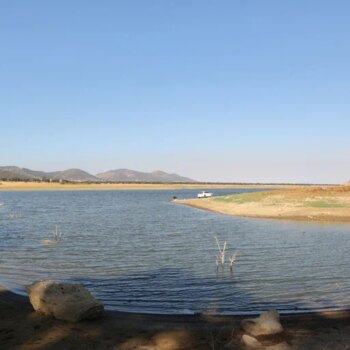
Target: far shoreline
x: 77, y: 186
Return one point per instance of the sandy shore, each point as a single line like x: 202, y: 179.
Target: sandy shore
x: 327, y: 204
x: 46, y: 186
x: 22, y: 329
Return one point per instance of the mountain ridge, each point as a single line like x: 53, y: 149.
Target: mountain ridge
x: 79, y: 175
x: 127, y: 175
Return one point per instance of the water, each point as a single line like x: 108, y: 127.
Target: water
x: 137, y: 251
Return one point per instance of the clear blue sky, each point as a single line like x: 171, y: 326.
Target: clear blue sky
x: 243, y: 90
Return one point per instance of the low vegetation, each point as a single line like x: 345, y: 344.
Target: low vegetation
x: 330, y: 203
x: 332, y: 197
x: 242, y: 198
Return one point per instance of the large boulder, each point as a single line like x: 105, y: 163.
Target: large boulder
x: 68, y: 302
x: 267, y: 323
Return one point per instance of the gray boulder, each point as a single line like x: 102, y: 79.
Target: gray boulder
x: 68, y: 302
x: 267, y: 323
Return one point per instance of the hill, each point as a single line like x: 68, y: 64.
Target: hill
x: 73, y: 175
x: 16, y: 173
x: 126, y: 175
x: 78, y: 175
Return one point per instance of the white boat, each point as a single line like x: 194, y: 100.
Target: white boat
x: 204, y: 194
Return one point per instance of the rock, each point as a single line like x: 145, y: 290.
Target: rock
x: 48, y: 242
x: 279, y: 346
x: 267, y: 323
x: 251, y: 342
x: 68, y: 302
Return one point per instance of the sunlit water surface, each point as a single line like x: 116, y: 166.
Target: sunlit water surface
x: 139, y: 252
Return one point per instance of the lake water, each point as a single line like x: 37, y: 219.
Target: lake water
x: 139, y: 252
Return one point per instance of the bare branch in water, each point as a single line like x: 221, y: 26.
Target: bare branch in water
x: 232, y: 259
x: 57, y: 237
x: 57, y: 234
x: 222, y: 251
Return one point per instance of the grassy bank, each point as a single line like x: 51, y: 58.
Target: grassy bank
x: 304, y: 203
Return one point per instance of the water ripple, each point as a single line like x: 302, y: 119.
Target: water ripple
x: 136, y: 251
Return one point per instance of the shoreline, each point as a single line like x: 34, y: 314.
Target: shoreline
x: 46, y: 186
x: 22, y: 328
x: 313, y: 204
x: 12, y: 297
x: 300, y: 218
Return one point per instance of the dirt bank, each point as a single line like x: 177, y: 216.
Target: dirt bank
x: 23, y: 329
x: 328, y: 204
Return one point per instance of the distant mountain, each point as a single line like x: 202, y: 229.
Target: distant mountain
x: 73, y: 175
x: 78, y: 175
x: 13, y: 172
x: 170, y: 177
x: 126, y: 175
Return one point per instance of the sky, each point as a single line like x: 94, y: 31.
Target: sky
x: 231, y: 91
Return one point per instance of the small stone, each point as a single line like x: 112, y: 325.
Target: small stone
x: 251, y: 342
x: 267, y: 323
x: 279, y: 346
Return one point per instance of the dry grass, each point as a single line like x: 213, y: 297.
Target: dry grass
x: 304, y: 203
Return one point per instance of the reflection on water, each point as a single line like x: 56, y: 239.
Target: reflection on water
x: 137, y: 251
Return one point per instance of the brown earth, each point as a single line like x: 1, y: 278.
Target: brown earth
x: 22, y: 329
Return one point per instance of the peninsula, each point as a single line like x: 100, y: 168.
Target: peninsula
x: 303, y: 203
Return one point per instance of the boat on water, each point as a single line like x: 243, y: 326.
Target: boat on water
x: 204, y: 194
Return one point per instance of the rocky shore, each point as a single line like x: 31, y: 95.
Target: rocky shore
x: 23, y: 329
